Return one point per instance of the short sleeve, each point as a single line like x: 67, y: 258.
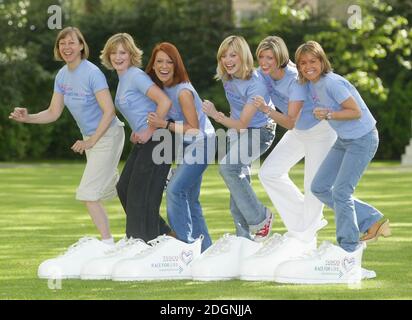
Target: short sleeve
x: 142, y: 82
x: 297, y: 92
x: 98, y: 81
x: 184, y: 86
x: 257, y: 88
x: 57, y: 83
x: 338, y: 90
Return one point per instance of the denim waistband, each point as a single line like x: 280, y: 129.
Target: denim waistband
x: 270, y: 126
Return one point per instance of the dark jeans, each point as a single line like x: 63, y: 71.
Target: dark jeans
x: 140, y: 189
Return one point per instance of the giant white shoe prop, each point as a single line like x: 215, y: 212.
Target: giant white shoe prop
x: 261, y: 265
x: 328, y: 264
x: 69, y: 264
x: 221, y: 261
x: 368, y: 274
x: 102, y: 267
x: 166, y: 259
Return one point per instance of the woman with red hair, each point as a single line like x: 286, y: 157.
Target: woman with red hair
x: 185, y: 118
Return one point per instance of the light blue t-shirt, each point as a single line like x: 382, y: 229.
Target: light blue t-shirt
x: 241, y: 92
x: 131, y: 99
x: 176, y: 113
x: 288, y: 89
x: 329, y: 92
x: 79, y: 87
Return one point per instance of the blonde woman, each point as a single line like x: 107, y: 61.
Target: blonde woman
x: 142, y: 181
x: 82, y: 87
x: 338, y: 102
x: 253, y: 135
x: 307, y: 138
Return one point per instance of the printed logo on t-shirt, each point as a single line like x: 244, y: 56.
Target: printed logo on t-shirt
x: 70, y: 93
x: 314, y: 97
x: 231, y: 92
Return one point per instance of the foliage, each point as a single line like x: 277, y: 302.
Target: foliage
x: 356, y: 53
x: 194, y: 27
x: 376, y: 58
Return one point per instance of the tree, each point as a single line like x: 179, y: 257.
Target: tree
x: 375, y: 56
x: 27, y: 67
x: 21, y: 76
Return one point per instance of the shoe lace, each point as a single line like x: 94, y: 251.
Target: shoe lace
x: 222, y: 245
x: 273, y: 242
x: 160, y: 239
x: 76, y: 246
x: 123, y: 245
x: 153, y: 244
x: 317, y: 253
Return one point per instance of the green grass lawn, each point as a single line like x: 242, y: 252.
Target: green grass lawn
x: 39, y: 219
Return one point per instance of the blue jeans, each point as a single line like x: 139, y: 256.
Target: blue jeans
x: 335, y: 182
x: 249, y: 214
x: 183, y: 206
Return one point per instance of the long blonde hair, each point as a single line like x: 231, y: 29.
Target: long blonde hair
x: 239, y: 45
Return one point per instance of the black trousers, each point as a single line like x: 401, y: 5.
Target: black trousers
x: 140, y: 189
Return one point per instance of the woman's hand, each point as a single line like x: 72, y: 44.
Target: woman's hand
x: 19, y: 115
x: 155, y: 121
x: 320, y: 113
x: 81, y: 145
x: 143, y: 135
x: 210, y: 110
x: 260, y: 104
x: 133, y: 137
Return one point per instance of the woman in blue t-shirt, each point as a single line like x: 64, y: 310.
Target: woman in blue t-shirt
x: 337, y: 101
x: 82, y: 87
x: 142, y: 181
x: 306, y: 138
x: 185, y: 118
x: 250, y: 135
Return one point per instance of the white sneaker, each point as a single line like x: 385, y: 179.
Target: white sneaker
x: 69, y: 264
x: 101, y: 268
x: 165, y: 259
x: 328, y: 264
x: 221, y: 261
x: 368, y: 274
x: 261, y: 265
